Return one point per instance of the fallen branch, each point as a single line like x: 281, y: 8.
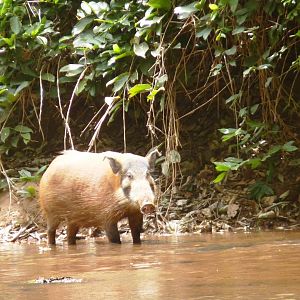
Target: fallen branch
x: 20, y: 232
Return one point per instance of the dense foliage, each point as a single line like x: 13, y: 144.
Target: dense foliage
x: 166, y: 60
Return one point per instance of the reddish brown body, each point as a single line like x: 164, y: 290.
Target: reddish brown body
x: 97, y: 189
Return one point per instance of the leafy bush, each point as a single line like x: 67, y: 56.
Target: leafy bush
x: 157, y: 54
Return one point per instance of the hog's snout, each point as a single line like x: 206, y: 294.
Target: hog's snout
x: 148, y: 208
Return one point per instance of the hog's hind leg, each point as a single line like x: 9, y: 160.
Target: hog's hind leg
x: 71, y: 232
x: 112, y: 233
x: 52, y: 225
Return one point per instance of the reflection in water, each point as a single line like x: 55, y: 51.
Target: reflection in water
x: 230, y: 266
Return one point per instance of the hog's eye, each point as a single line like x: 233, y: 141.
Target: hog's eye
x: 129, y: 176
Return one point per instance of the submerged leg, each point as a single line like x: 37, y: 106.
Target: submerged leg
x: 52, y: 225
x: 71, y: 232
x: 112, y: 233
x: 136, y: 227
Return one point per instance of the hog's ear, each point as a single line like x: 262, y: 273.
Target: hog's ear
x: 151, y: 157
x: 114, y: 164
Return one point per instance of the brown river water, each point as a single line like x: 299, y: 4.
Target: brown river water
x: 264, y: 265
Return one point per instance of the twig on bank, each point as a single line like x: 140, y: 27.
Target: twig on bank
x: 9, y: 183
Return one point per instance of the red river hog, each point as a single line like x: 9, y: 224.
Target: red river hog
x: 97, y: 189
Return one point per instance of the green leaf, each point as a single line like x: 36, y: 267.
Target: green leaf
x: 227, y: 137
x: 146, y: 22
x: 234, y: 160
x: 81, y: 25
x: 139, y: 88
x: 161, y: 4
x: 48, y: 77
x: 254, y: 108
x: 174, y: 157
x: 10, y: 41
x: 42, y: 40
x: 22, y: 86
x: 118, y: 81
x: 231, y: 51
x: 252, y: 5
x: 245, y: 139
x: 122, y: 55
x: 27, y: 70
x: 23, y: 129
x: 3, y: 183
x: 231, y: 163
x: 36, y: 28
x: 216, y: 70
x: 297, y: 33
x: 238, y: 30
x: 41, y: 170
x: 259, y: 189
x: 200, y: 4
x: 116, y: 48
x: 134, y: 76
x: 72, y: 69
x: 112, y: 60
x: 233, y: 98
x: 31, y: 191
x: 222, y: 166
x: 165, y: 166
x: 184, y: 12
x: 99, y: 7
x: 15, y: 24
x: 274, y: 149
x: 24, y: 174
x: 5, y: 132
x: 254, y: 162
x: 141, y: 49
x: 264, y: 67
x: 289, y: 147
x: 248, y: 71
x: 204, y: 32
x: 26, y: 137
x: 213, y: 6
x: 227, y: 130
x: 81, y: 86
x: 14, y: 141
x: 162, y: 79
x: 268, y: 82
x: 220, y: 177
x: 233, y: 5
x: 230, y: 133
x: 255, y: 124
x: 271, y: 152
x: 86, y: 8
x: 154, y: 92
x: 241, y: 16
x: 114, y: 110
x: 243, y: 112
